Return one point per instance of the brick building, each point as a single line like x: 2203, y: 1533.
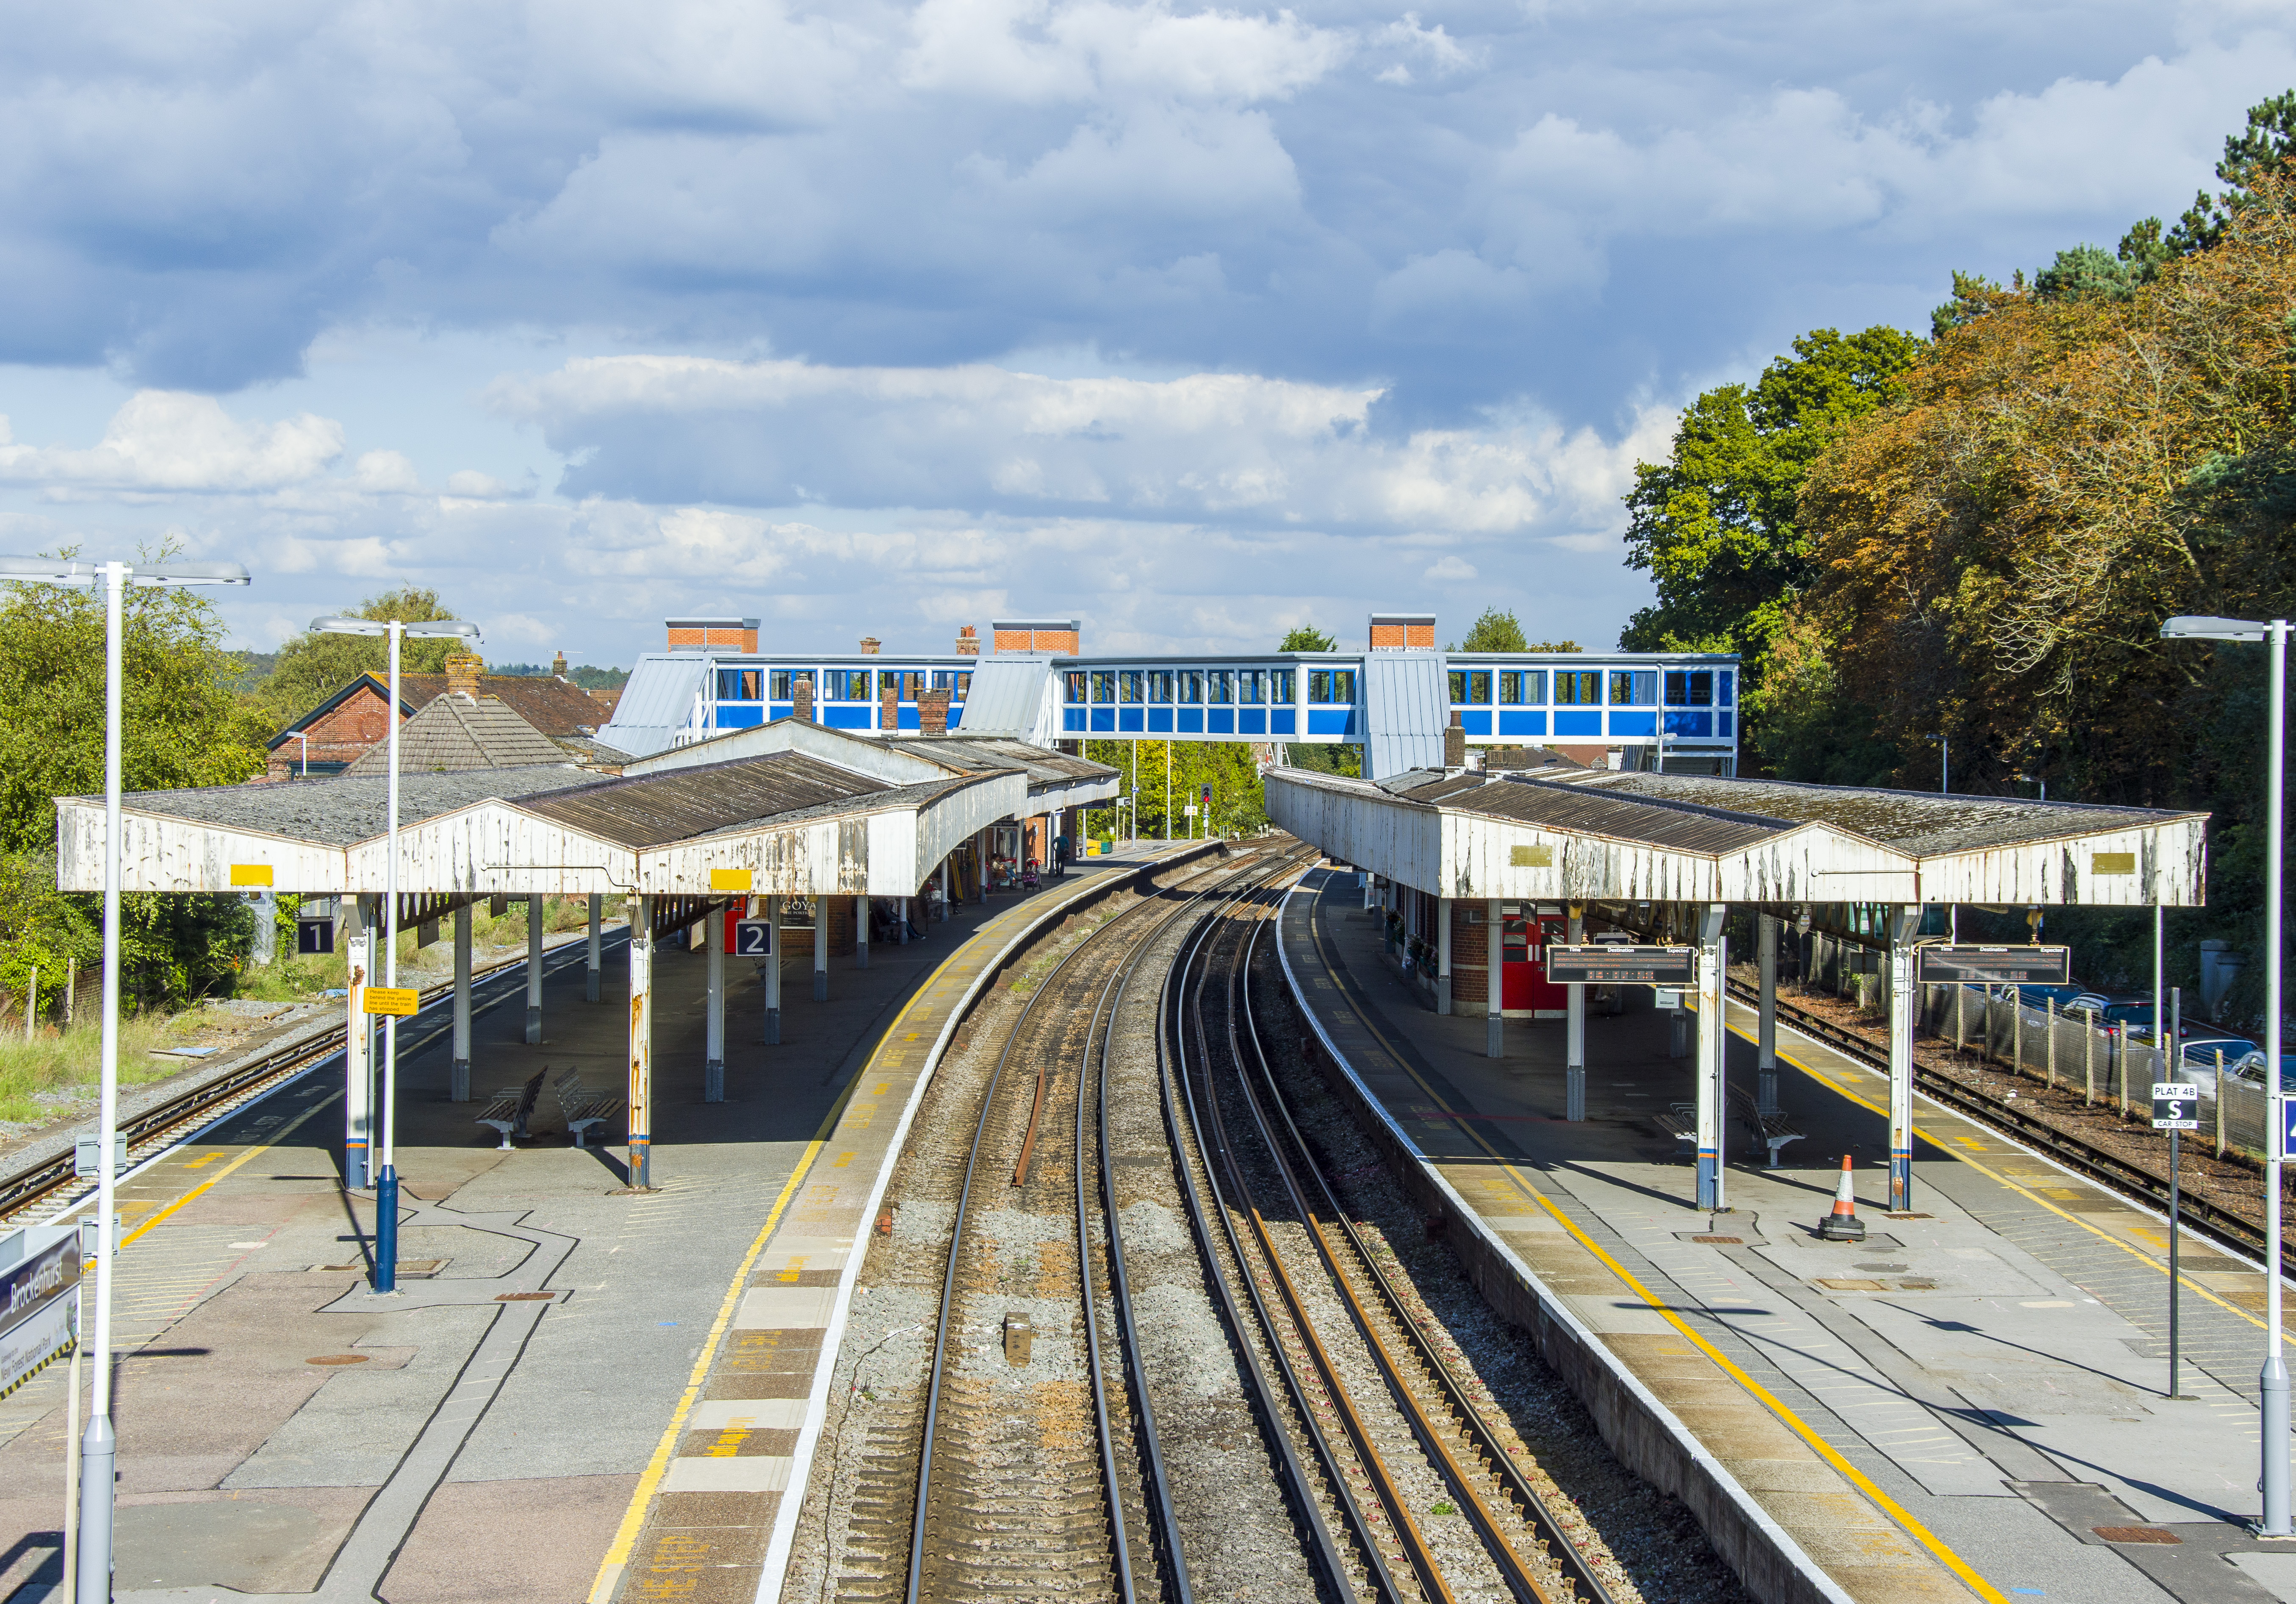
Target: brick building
x: 333, y: 736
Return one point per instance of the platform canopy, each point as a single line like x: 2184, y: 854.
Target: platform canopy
x: 1055, y: 779
x: 783, y: 822
x: 1603, y: 835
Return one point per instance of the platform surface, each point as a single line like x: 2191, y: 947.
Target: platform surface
x: 1956, y: 1406
x: 482, y: 1435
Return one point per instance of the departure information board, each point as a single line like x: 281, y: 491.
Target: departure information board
x: 1936, y: 965
x: 1608, y: 964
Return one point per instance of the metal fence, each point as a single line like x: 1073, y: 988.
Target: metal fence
x: 2057, y: 1050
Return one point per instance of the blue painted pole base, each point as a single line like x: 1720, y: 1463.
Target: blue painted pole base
x: 713, y: 1080
x: 641, y: 1164
x: 1710, y: 1178
x: 590, y: 985
x: 1574, y: 1094
x: 821, y: 985
x: 1901, y: 1183
x: 386, y: 1231
x: 1765, y: 1095
x: 773, y: 1036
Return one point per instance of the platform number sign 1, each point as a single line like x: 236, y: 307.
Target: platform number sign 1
x: 2175, y: 1105
x: 754, y: 937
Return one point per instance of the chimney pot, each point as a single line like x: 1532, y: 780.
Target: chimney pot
x: 463, y: 671
x: 870, y: 645
x: 558, y: 664
x: 932, y: 714
x: 968, y: 642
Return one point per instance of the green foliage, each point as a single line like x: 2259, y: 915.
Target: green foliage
x: 1716, y: 525
x: 1496, y: 631
x: 1307, y: 637
x: 598, y: 679
x: 41, y: 927
x: 1239, y: 808
x: 2262, y: 147
x: 1347, y: 760
x: 311, y: 667
x: 181, y: 726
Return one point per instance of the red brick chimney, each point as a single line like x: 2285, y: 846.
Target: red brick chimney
x: 932, y: 714
x: 871, y: 645
x: 968, y: 642
x: 558, y: 664
x: 463, y: 671
x: 802, y: 694
x: 889, y: 705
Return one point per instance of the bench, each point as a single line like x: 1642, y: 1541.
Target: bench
x: 1680, y: 1122
x: 512, y: 1103
x: 582, y: 1108
x: 1773, y: 1130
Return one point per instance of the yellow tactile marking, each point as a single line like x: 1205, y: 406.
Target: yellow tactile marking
x: 208, y: 1185
x: 1897, y: 1512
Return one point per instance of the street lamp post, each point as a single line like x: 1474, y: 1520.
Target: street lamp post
x: 386, y: 1181
x: 2272, y: 1381
x: 1945, y: 762
x: 92, y: 1553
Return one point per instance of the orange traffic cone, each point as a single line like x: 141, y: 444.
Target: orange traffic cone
x: 1843, y: 1225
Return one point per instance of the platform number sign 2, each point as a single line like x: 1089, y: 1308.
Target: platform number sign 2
x: 2175, y: 1105
x: 754, y: 937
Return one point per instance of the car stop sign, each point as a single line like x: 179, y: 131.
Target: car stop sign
x: 2175, y: 1105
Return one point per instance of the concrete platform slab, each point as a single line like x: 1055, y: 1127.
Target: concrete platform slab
x: 1901, y: 1396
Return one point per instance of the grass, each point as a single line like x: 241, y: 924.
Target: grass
x: 65, y: 1065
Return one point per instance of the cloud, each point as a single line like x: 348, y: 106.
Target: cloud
x: 163, y: 440
x: 1250, y: 451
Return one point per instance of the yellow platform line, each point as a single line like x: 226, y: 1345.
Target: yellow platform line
x: 2130, y: 1248
x: 1897, y: 1513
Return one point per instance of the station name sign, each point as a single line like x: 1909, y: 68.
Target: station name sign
x: 1608, y: 964
x: 1993, y: 966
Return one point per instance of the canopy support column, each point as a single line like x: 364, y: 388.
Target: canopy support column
x: 773, y: 969
x: 458, y: 1078
x: 1711, y: 1037
x: 1766, y: 1031
x: 944, y: 888
x: 358, y: 1041
x: 860, y: 933
x: 713, y: 1052
x: 641, y: 1092
x: 1903, y: 927
x: 1574, y: 1030
x: 1443, y: 955
x: 821, y: 949
x: 1494, y: 963
x: 590, y: 975
x: 533, y: 970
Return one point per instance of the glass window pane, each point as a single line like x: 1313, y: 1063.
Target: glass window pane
x: 1192, y: 684
x: 780, y: 685
x: 1701, y: 687
x: 1222, y: 685
x: 964, y: 683
x: 1479, y: 687
x: 1075, y: 678
x: 1103, y: 684
x: 1281, y: 690
x: 1160, y: 684
x: 1343, y: 685
x: 1458, y: 684
x: 1534, y: 686
x: 1127, y: 685
x: 1678, y: 689
x: 1728, y: 685
x: 1578, y: 687
x: 1645, y: 688
x: 1251, y: 685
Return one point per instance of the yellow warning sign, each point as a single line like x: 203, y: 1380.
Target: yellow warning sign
x: 397, y: 1000
x: 251, y: 874
x: 731, y: 879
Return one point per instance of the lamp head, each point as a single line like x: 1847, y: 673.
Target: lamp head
x: 188, y: 573
x: 47, y: 571
x: 2190, y: 628
x: 434, y: 628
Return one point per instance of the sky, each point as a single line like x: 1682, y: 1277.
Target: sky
x: 882, y: 319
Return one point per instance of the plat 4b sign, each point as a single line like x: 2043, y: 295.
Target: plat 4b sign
x: 2175, y: 1105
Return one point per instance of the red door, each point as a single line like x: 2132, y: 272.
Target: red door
x: 1523, y: 985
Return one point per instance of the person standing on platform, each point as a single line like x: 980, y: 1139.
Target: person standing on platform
x: 1059, y: 857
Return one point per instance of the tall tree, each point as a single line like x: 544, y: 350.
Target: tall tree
x: 2262, y: 148
x: 1307, y: 637
x: 312, y: 666
x: 182, y: 724
x: 1497, y: 631
x: 1715, y: 524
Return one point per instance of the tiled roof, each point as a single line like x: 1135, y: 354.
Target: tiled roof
x: 456, y: 732
x: 554, y: 706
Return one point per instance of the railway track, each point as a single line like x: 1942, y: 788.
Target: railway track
x: 1295, y: 1249
x: 1064, y: 1491
x: 52, y: 1183
x: 2029, y: 1125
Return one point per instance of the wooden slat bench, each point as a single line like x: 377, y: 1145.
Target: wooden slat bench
x: 584, y: 1109
x: 1773, y: 1130
x: 511, y: 1107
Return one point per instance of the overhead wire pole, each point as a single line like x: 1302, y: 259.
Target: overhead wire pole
x: 2272, y: 1379
x: 91, y: 1550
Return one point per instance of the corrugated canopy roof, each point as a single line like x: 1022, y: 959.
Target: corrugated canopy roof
x: 340, y: 812
x: 1922, y: 823
x: 1041, y: 764
x: 649, y: 810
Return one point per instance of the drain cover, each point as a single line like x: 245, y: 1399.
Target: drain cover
x: 2136, y: 1535
x: 338, y: 1359
x: 524, y: 1298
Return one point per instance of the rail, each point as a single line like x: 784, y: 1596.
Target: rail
x: 241, y: 1085
x: 2203, y: 1216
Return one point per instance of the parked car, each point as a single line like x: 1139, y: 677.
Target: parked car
x: 2037, y: 996
x: 2199, y: 1053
